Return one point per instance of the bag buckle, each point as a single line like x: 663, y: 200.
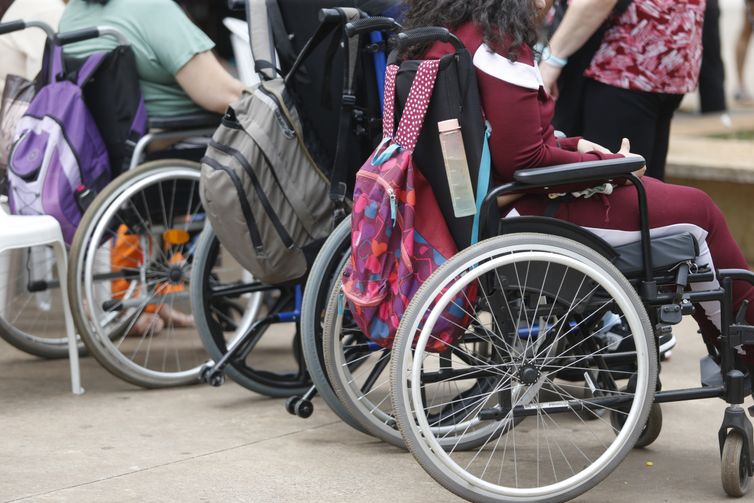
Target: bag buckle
x: 349, y: 100
x: 338, y: 198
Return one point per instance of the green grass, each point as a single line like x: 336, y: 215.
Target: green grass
x: 743, y: 135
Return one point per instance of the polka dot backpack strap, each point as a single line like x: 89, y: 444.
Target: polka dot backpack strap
x: 416, y: 105
x: 388, y: 115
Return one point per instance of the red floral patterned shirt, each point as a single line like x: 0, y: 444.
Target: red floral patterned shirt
x: 655, y: 46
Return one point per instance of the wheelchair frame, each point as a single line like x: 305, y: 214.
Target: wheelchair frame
x: 666, y: 309
x: 661, y: 297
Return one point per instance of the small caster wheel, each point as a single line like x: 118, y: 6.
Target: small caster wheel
x: 291, y: 404
x: 652, y: 429
x: 735, y: 465
x: 304, y: 409
x: 215, y: 379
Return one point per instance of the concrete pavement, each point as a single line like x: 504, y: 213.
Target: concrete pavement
x: 122, y: 444
x: 119, y: 443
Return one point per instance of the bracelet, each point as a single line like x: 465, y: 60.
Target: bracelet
x: 552, y: 60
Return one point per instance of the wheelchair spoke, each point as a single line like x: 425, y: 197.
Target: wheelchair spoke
x: 172, y: 202
x: 375, y: 373
x: 544, y: 357
x: 133, y: 272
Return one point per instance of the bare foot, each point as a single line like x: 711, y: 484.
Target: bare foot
x: 147, y: 323
x: 175, y: 318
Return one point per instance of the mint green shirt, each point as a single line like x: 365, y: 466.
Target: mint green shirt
x: 163, y: 39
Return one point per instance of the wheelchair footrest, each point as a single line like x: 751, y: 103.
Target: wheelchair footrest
x: 671, y: 314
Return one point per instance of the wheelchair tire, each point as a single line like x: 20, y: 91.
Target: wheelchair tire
x: 358, y: 371
x: 556, y: 328
x: 219, y: 329
x: 652, y: 428
x: 322, y: 276
x: 157, y: 246
x: 735, y: 464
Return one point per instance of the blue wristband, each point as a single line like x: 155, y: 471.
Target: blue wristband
x: 552, y: 60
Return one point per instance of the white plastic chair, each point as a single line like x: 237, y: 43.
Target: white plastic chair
x: 239, y: 39
x: 17, y: 232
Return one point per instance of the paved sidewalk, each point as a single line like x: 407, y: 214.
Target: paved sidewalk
x: 119, y: 443
x: 699, y: 149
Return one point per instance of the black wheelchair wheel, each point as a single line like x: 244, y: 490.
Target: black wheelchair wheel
x: 735, y: 465
x: 227, y: 303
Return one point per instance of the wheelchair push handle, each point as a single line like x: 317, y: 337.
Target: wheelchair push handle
x: 12, y: 26
x: 72, y: 37
x: 18, y: 25
x: 338, y: 15
x: 370, y: 24
x: 329, y: 15
x: 236, y: 5
x: 420, y: 36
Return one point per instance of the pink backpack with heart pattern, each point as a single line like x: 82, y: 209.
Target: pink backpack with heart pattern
x: 399, y: 236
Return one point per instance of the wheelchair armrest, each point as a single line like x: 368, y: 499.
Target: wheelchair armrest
x: 191, y: 121
x: 578, y: 172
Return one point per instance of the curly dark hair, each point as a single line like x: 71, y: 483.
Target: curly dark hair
x: 511, y: 23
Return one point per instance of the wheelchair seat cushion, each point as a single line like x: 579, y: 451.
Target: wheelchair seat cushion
x: 190, y: 121
x: 667, y: 252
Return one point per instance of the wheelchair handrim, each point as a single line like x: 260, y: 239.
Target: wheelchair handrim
x: 430, y: 443
x: 105, y: 213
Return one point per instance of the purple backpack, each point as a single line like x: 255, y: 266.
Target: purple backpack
x: 59, y: 158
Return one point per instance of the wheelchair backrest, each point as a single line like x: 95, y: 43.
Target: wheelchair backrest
x: 456, y: 96
x: 318, y: 84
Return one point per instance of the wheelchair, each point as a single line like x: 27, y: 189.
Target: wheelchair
x: 356, y: 369
x: 556, y: 375
x: 155, y: 208
x: 566, y: 328
x: 239, y: 344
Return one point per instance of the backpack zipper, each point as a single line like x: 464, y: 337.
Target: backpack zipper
x: 238, y: 156
x: 388, y: 188
x: 393, y: 207
x: 256, y: 239
x: 289, y: 130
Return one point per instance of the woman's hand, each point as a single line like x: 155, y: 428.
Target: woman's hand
x: 585, y: 146
x: 550, y: 75
x: 625, y: 150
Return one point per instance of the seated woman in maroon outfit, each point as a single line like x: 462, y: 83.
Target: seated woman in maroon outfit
x: 500, y: 36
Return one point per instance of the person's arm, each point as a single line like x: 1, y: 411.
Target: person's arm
x: 581, y: 21
x: 518, y: 138
x: 184, y: 51
x: 208, y: 84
